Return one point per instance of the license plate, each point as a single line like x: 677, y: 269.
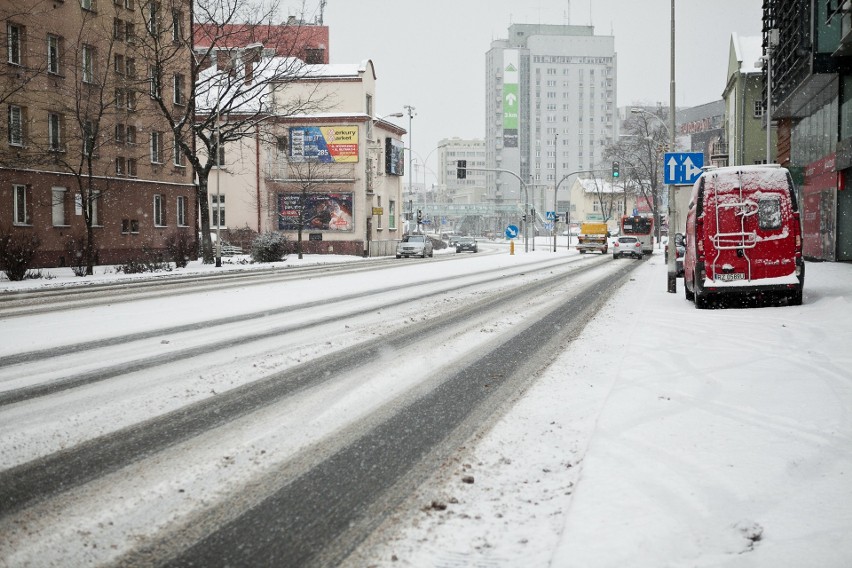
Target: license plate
x: 730, y: 277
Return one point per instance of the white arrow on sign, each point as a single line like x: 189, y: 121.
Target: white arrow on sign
x: 510, y: 99
x: 672, y: 164
x: 691, y: 170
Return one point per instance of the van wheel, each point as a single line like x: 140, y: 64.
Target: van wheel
x: 690, y: 296
x: 796, y: 298
x: 699, y: 297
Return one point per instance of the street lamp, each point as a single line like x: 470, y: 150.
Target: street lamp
x: 411, y: 115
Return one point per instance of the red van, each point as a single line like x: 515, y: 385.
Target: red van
x: 743, y: 235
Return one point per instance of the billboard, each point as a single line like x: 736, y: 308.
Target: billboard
x: 511, y: 102
x: 394, y: 157
x: 329, y: 144
x: 321, y: 211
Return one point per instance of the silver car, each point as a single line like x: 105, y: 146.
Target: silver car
x: 414, y: 245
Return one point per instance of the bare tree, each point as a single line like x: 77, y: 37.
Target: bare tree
x: 605, y: 199
x: 306, y: 206
x: 239, y: 67
x: 640, y: 153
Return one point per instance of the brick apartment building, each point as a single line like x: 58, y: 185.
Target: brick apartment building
x: 81, y: 137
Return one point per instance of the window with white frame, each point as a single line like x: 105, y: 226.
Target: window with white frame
x: 217, y: 209
x: 54, y: 46
x: 153, y: 17
x: 58, y: 207
x: 88, y: 5
x: 95, y: 200
x: 391, y: 214
x: 88, y: 138
x: 131, y: 167
x: 88, y: 70
x: 181, y: 211
x: 120, y: 166
x: 177, y: 25
x: 14, y: 43
x: 178, y: 155
x: 156, y: 147
x: 159, y: 211
x: 154, y: 81
x: 16, y: 125
x: 20, y: 195
x: 759, y: 109
x: 179, y: 82
x: 54, y: 131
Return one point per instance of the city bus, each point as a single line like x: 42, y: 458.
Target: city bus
x: 640, y: 227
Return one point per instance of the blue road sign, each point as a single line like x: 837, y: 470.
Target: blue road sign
x: 550, y: 215
x: 512, y: 231
x: 682, y: 168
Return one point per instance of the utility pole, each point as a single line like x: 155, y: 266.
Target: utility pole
x: 671, y: 269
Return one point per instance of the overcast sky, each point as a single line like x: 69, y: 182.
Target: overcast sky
x: 430, y: 54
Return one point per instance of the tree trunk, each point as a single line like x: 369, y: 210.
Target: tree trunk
x: 204, y: 212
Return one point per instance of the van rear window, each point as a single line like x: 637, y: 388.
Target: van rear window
x: 769, y: 213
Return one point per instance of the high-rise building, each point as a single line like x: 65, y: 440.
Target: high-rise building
x: 550, y: 108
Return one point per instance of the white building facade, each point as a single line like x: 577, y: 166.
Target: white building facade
x: 331, y: 178
x: 470, y: 189
x: 550, y: 109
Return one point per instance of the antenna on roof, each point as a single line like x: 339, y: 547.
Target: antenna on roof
x: 321, y: 11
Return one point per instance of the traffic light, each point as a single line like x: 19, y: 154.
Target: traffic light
x: 615, y: 170
x: 461, y: 172
x: 419, y: 215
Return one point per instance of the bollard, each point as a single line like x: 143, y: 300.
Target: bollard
x: 511, y: 247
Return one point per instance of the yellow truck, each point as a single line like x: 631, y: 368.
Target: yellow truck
x: 593, y: 237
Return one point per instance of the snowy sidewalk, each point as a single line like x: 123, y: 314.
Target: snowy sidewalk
x: 715, y: 438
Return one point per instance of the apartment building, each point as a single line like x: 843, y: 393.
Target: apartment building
x: 85, y: 158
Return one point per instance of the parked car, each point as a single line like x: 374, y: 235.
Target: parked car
x: 680, y: 250
x: 630, y: 246
x: 414, y: 245
x: 743, y: 236
x: 466, y: 243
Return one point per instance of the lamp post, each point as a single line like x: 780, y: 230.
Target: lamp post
x: 218, y: 195
x: 411, y: 115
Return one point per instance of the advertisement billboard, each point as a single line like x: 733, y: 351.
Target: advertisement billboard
x: 328, y: 144
x: 394, y: 157
x: 511, y: 102
x: 321, y: 211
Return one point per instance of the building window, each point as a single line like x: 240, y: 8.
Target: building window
x: 129, y: 32
x: 177, y: 31
x: 181, y: 211
x: 54, y: 131
x: 14, y: 41
x: 21, y: 197
x: 179, y: 89
x: 58, y: 208
x: 220, y: 150
x: 95, y: 200
x: 119, y: 65
x: 120, y: 166
x: 120, y: 135
x: 89, y: 5
x: 118, y: 29
x: 120, y: 101
x: 54, y: 44
x: 131, y: 167
x: 178, y: 155
x: 88, y: 138
x: 130, y: 68
x: 129, y: 226
x: 88, y: 64
x: 16, y: 125
x: 130, y: 95
x: 130, y: 130
x: 159, y: 211
x: 759, y: 109
x: 154, y: 81
x: 153, y: 16
x: 391, y: 215
x: 156, y: 147
x: 217, y: 210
